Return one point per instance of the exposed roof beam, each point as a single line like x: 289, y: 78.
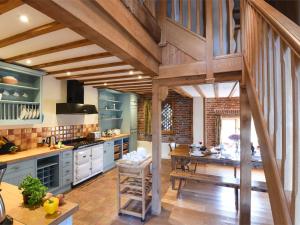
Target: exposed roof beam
x: 8, y: 5
x: 92, y: 22
x: 199, y: 90
x: 234, y: 89
x: 100, y: 66
x: 182, y: 92
x: 109, y: 84
x: 89, y: 75
x: 76, y: 59
x: 58, y: 48
x: 142, y: 14
x: 125, y: 85
x: 47, y: 28
x: 127, y: 77
x: 124, y: 18
x: 216, y: 90
x: 220, y: 65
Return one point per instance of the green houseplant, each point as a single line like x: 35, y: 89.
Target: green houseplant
x: 33, y: 191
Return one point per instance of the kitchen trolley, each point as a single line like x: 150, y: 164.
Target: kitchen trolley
x: 134, y: 184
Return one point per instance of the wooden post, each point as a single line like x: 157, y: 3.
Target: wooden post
x: 245, y: 194
x: 295, y: 203
x: 156, y: 149
x: 209, y: 39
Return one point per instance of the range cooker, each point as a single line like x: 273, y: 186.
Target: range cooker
x: 87, y: 158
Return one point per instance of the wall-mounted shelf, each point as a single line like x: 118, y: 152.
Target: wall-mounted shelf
x: 18, y: 98
x: 112, y: 118
x: 14, y: 86
x: 109, y: 100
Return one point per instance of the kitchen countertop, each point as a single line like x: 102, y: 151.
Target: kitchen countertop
x: 13, y: 201
x: 114, y: 137
x: 31, y: 153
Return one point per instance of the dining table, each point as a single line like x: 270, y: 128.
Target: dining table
x: 184, y: 153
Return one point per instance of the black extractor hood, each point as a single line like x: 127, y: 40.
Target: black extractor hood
x: 75, y: 97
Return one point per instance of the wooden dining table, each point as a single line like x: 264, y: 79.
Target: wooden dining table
x: 182, y: 153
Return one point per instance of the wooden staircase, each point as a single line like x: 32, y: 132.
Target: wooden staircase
x: 271, y: 47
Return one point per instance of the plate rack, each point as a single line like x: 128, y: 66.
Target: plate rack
x: 134, y: 185
x: 17, y: 111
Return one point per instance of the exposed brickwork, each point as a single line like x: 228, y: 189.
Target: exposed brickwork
x: 218, y: 106
x: 183, y: 119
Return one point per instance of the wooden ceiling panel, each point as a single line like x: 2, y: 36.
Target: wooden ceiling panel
x: 35, y: 19
x: 99, y: 70
x: 40, y: 42
x: 120, y: 81
x: 208, y: 90
x: 65, y: 54
x: 86, y: 63
x: 191, y: 91
x: 116, y: 78
x: 225, y: 89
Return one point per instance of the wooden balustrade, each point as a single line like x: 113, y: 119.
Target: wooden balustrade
x: 271, y: 56
x: 190, y: 14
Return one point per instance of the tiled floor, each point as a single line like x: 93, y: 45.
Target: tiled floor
x: 210, y: 206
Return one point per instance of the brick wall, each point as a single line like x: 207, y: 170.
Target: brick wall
x: 182, y: 119
x: 218, y: 106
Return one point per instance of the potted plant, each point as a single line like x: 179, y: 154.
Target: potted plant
x: 33, y: 191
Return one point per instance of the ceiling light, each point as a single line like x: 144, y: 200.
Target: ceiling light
x: 105, y: 84
x: 68, y: 73
x: 28, y: 61
x: 140, y: 77
x: 130, y: 72
x: 24, y: 19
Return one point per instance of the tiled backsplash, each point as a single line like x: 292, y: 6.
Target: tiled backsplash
x: 27, y: 138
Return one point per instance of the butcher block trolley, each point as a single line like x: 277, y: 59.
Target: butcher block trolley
x: 134, y: 185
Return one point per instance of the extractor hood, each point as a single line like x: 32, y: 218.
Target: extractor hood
x: 75, y: 96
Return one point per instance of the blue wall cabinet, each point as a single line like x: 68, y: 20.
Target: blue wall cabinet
x: 20, y: 103
x: 108, y: 155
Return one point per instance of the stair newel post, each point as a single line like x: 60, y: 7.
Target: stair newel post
x: 245, y: 157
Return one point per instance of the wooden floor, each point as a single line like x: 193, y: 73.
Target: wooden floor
x: 209, y: 206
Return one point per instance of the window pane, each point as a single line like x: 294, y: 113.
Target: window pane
x: 167, y: 117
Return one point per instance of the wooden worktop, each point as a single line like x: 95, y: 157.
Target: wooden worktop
x: 114, y: 137
x: 31, y: 153
x: 13, y: 201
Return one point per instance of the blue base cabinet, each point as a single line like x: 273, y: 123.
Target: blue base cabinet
x: 108, y: 156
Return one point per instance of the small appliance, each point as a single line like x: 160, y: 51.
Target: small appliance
x: 4, y: 219
x: 94, y: 135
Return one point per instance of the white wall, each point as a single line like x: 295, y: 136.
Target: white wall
x: 198, y: 119
x: 55, y: 91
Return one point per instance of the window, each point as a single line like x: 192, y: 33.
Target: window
x: 167, y: 117
x: 231, y: 125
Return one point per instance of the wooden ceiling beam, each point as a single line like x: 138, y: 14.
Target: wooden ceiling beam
x: 233, y: 90
x: 73, y: 60
x: 125, y: 85
x: 44, y: 29
x: 182, y: 92
x: 145, y: 18
x: 100, y: 66
x: 118, y: 11
x: 58, y: 48
x: 136, y: 81
x: 224, y: 64
x: 93, y: 22
x: 109, y: 84
x: 90, y: 75
x: 8, y: 5
x: 127, y: 77
x: 199, y: 90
